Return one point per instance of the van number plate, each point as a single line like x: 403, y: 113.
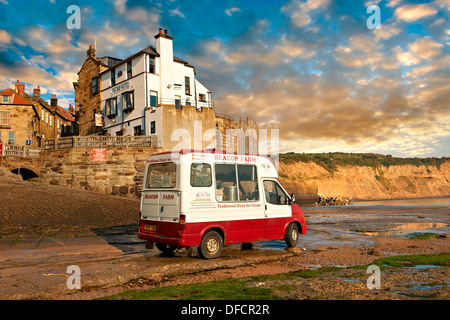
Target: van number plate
x: 150, y: 227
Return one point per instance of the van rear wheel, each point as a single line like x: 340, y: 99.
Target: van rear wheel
x: 291, y: 236
x: 165, y: 248
x: 211, y: 245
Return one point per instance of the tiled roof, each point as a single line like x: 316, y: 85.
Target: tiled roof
x: 19, y: 100
x: 66, y: 114
x: 7, y: 92
x: 16, y: 99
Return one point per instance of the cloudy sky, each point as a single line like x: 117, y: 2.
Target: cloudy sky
x: 310, y: 68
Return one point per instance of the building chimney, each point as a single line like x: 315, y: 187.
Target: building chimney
x: 91, y: 52
x: 37, y: 92
x: 20, y: 87
x: 54, y: 101
x: 164, y: 46
x: 71, y: 109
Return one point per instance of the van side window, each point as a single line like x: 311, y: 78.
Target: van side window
x: 248, y: 183
x: 236, y: 183
x: 226, y: 189
x: 274, y: 193
x: 201, y: 175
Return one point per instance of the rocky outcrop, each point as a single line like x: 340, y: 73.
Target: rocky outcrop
x: 332, y: 201
x: 371, y: 183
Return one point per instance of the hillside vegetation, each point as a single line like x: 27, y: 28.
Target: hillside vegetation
x: 331, y: 161
x: 364, y: 176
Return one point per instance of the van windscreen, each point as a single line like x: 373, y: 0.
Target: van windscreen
x: 162, y: 175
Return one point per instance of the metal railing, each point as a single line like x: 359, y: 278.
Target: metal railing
x: 97, y: 142
x: 182, y: 103
x: 20, y: 151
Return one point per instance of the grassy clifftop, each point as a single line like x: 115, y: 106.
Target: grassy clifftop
x: 331, y: 161
x: 366, y: 176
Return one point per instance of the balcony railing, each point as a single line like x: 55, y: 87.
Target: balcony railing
x: 97, y: 142
x: 179, y: 103
x: 20, y: 151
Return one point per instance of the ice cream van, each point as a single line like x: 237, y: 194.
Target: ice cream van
x: 208, y: 199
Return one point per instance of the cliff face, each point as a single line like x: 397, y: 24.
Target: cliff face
x: 366, y: 183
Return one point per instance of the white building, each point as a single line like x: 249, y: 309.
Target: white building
x: 135, y: 89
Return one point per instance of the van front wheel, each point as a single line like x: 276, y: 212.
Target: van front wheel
x: 291, y: 236
x: 211, y: 245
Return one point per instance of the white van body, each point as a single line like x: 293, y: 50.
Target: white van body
x: 189, y: 194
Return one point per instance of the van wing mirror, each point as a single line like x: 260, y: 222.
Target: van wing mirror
x: 293, y: 199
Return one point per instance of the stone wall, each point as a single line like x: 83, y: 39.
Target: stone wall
x: 121, y: 174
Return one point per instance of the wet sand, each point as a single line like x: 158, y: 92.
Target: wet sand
x: 114, y: 260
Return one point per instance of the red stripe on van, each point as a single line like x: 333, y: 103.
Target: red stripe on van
x: 237, y: 231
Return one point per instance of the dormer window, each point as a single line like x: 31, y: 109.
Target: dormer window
x: 5, y: 99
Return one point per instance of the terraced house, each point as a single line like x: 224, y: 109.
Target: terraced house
x: 152, y: 93
x: 29, y: 120
x: 18, y: 119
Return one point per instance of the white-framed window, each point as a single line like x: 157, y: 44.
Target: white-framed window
x: 5, y: 120
x: 153, y: 98
x: 51, y: 120
x: 46, y: 117
x: 42, y: 115
x: 11, y: 137
x: 5, y: 99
